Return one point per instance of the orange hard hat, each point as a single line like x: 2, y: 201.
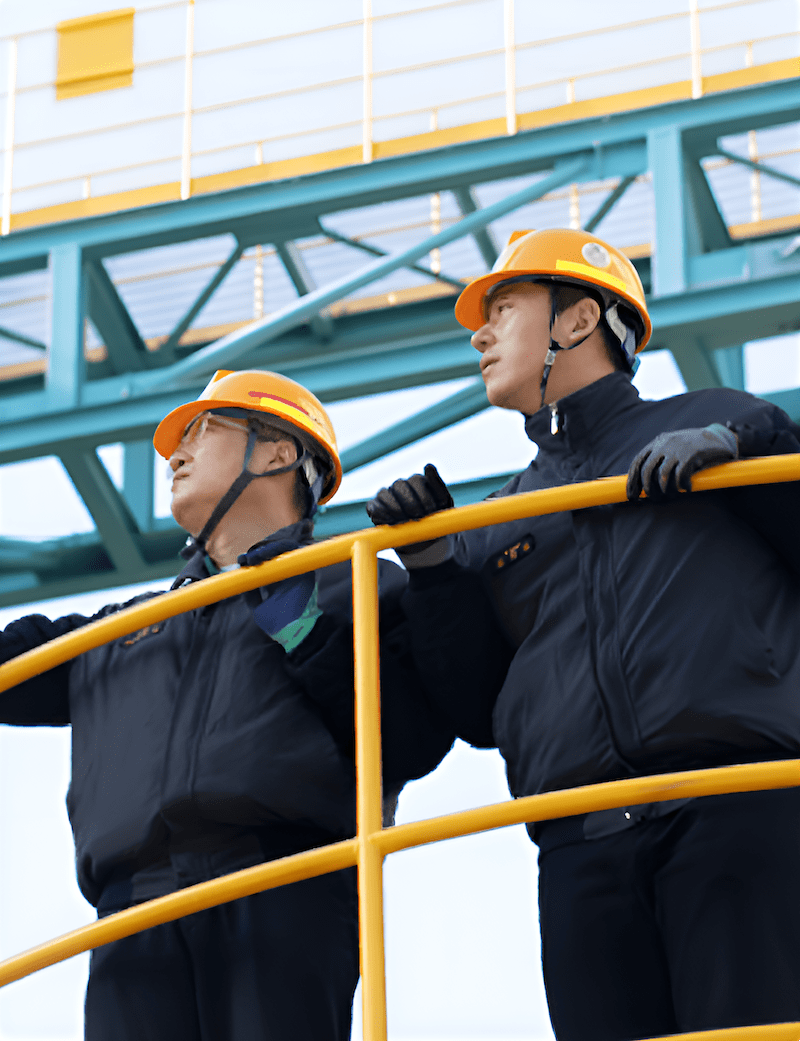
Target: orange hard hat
x: 560, y: 255
x: 295, y: 410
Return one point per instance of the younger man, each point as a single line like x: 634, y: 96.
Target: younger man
x: 622, y: 641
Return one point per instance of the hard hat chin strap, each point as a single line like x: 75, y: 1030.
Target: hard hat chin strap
x: 198, y: 545
x: 554, y: 347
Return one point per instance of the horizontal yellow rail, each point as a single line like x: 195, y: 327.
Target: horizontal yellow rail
x: 748, y: 777
x: 770, y: 1032
x: 175, y: 905
x: 688, y: 784
x: 602, y: 492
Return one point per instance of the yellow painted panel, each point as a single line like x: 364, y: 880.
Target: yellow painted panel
x: 605, y: 106
x: 280, y: 169
x: 95, y: 53
x: 96, y: 206
x: 774, y: 70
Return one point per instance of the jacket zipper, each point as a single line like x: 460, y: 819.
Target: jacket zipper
x: 554, y: 417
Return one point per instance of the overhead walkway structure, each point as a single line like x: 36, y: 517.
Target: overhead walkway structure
x: 371, y: 248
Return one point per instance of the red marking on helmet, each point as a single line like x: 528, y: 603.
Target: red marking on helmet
x: 274, y: 397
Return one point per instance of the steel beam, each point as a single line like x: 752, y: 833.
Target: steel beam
x: 768, y: 171
x: 112, y: 518
x: 729, y: 363
x: 608, y: 203
x: 109, y: 315
x: 9, y: 334
x: 706, y: 230
x: 225, y: 352
x: 696, y: 364
x: 108, y: 509
x: 166, y: 352
x: 66, y: 363
x: 376, y: 252
x: 303, y: 281
x: 618, y: 143
x: 484, y: 239
x: 138, y: 482
x: 665, y: 155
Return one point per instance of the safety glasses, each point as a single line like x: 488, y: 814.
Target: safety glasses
x: 200, y: 424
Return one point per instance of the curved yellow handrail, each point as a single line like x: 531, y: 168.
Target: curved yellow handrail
x: 372, y: 843
x: 602, y: 492
x: 548, y: 806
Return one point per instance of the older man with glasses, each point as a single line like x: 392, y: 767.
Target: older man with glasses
x: 223, y: 737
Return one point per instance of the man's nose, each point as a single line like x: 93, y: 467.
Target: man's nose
x: 177, y: 459
x: 482, y: 338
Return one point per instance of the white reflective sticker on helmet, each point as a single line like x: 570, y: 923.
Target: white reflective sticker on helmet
x: 596, y: 255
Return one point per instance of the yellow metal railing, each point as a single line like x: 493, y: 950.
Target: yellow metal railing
x: 372, y: 842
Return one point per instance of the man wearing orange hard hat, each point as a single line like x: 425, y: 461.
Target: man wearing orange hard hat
x: 656, y: 635
x: 223, y: 737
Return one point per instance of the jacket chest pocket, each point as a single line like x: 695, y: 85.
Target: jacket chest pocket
x: 511, y: 575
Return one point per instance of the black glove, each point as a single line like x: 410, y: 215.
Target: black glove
x: 413, y: 499
x: 288, y: 610
x: 665, y: 467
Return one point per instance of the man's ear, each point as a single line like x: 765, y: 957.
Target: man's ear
x: 578, y: 321
x: 278, y: 453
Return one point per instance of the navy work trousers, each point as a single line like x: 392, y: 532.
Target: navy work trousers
x: 687, y: 922
x: 278, y: 966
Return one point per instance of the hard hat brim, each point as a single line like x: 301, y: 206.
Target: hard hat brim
x: 170, y: 430
x: 469, y: 310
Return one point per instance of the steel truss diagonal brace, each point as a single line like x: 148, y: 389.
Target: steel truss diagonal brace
x: 376, y: 252
x: 608, y: 203
x: 225, y: 352
x: 303, y: 281
x: 126, y: 349
x: 768, y: 171
x: 167, y: 349
x: 467, y: 203
x: 458, y: 406
x: 109, y: 511
x: 9, y: 334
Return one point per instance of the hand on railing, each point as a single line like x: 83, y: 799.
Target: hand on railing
x: 412, y: 499
x: 665, y: 466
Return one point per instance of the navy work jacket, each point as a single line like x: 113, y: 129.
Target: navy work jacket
x: 200, y: 730
x: 629, y: 639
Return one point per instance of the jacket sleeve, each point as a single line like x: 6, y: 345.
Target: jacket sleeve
x: 771, y: 509
x: 415, y: 737
x: 41, y: 700
x: 458, y: 647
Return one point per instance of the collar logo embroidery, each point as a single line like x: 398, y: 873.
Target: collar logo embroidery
x: 149, y: 630
x: 514, y: 553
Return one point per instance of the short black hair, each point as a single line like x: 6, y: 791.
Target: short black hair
x: 567, y: 295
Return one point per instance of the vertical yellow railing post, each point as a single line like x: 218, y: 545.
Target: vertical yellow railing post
x: 369, y: 795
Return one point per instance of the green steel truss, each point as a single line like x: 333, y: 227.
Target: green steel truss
x: 708, y: 296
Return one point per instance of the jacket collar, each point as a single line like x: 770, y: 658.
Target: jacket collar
x: 585, y: 416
